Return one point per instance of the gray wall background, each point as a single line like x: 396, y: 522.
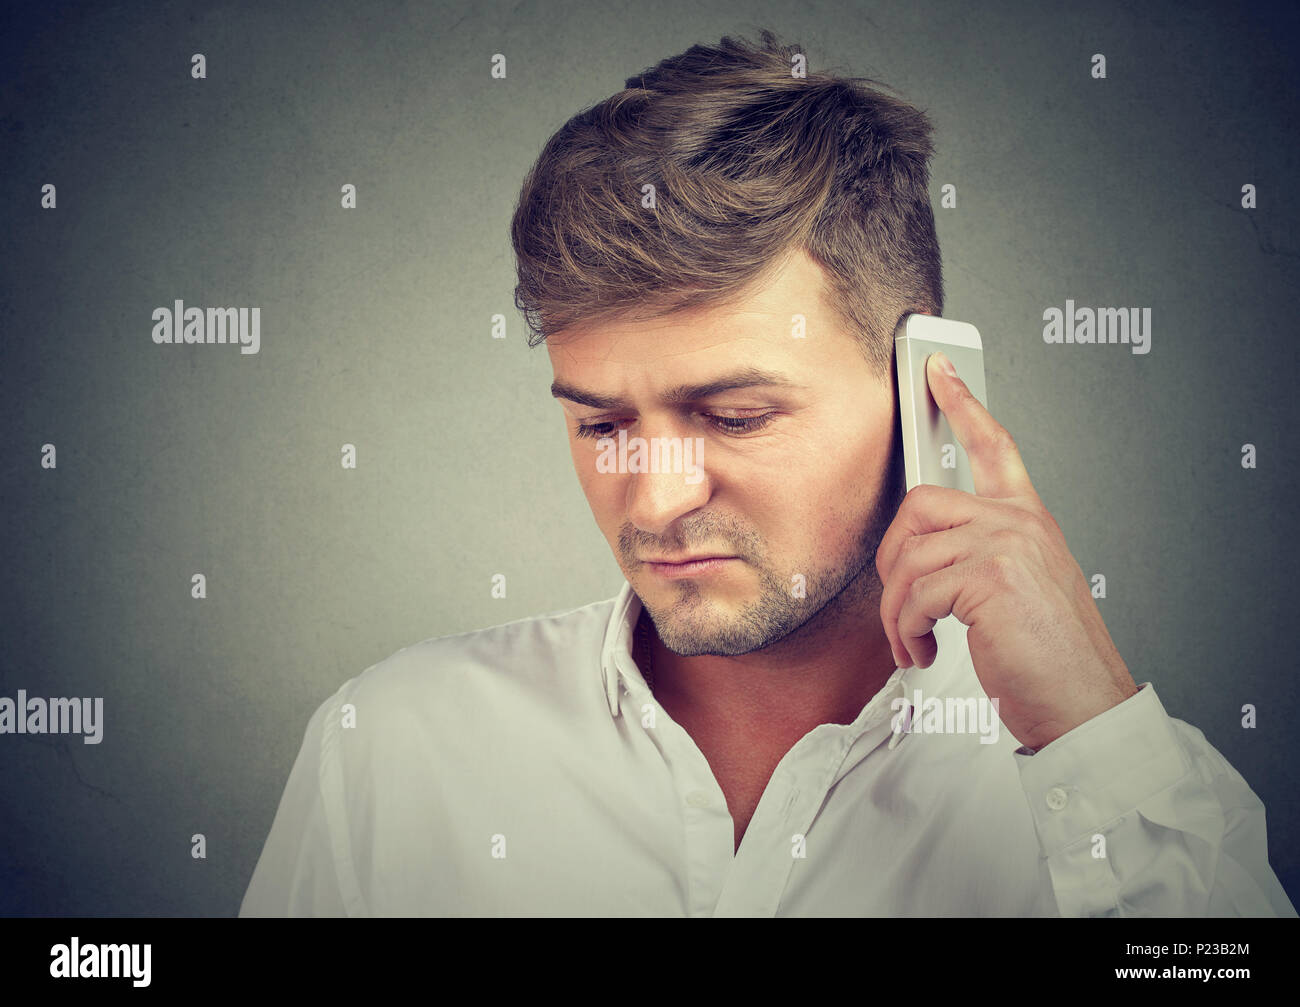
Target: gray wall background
x: 375, y: 331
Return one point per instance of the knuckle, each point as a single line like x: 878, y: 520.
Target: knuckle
x: 1001, y: 567
x: 1001, y: 442
x: 1004, y: 540
x: 1040, y: 523
x: 919, y: 493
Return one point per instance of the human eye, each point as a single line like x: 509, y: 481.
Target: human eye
x: 731, y: 425
x: 740, y: 424
x: 605, y: 428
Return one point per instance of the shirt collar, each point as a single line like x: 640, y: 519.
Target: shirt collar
x: 616, y: 663
x: 616, y: 650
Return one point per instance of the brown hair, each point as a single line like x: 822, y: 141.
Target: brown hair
x: 748, y: 163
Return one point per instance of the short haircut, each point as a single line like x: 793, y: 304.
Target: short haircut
x: 749, y: 162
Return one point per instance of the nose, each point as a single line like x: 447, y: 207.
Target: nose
x: 655, y: 499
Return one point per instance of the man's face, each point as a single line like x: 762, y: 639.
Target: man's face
x: 790, y: 467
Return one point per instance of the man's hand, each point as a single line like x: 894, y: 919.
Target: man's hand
x: 998, y: 561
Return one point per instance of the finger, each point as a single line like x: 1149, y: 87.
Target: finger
x: 925, y: 509
x: 931, y: 598
x: 996, y: 465
x: 920, y: 556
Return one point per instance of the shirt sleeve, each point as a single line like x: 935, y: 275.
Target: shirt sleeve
x: 1138, y: 815
x: 305, y: 868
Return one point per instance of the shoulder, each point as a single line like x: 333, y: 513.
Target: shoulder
x: 461, y: 678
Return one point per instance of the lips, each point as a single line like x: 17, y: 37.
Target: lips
x: 689, y: 567
x: 679, y: 561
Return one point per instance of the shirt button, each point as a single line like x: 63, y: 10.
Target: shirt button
x: 1057, y: 798
x: 697, y: 799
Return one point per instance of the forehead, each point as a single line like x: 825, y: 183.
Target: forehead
x: 784, y: 321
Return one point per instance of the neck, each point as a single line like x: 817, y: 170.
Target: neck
x: 824, y: 673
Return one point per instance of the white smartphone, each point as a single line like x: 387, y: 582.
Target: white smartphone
x: 931, y: 452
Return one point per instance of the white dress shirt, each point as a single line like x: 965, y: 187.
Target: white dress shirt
x: 511, y: 771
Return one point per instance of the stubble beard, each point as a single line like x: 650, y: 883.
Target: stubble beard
x: 778, y: 619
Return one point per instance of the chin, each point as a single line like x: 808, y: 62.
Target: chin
x: 695, y: 627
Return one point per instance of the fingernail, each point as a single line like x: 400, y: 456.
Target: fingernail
x: 945, y: 364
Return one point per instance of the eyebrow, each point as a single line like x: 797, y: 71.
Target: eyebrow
x: 746, y: 377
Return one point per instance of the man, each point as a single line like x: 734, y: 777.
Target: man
x: 762, y: 721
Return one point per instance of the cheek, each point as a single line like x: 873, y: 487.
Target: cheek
x: 824, y: 501
x: 833, y: 476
